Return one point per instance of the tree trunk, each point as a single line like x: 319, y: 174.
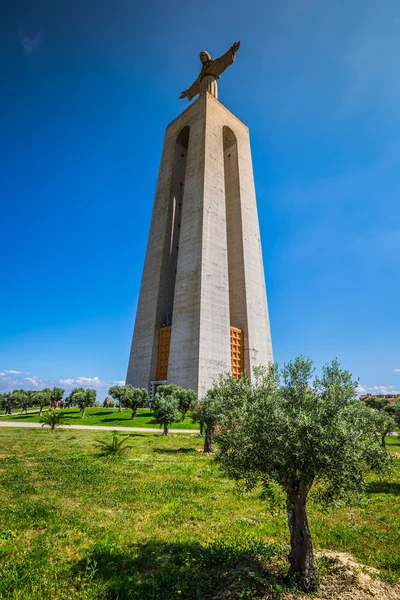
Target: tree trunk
x: 383, y: 440
x: 134, y: 412
x: 301, y: 557
x: 40, y: 411
x: 119, y: 406
x: 82, y: 413
x: 165, y: 429
x: 208, y: 447
x: 201, y: 427
x: 183, y: 416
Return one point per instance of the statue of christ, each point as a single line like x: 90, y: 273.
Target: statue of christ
x: 210, y: 72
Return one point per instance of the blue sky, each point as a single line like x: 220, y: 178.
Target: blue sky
x: 87, y: 89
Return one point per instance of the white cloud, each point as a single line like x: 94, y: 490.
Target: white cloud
x: 12, y: 379
x: 396, y: 371
x: 34, y: 381
x: 83, y: 381
x: 29, y: 44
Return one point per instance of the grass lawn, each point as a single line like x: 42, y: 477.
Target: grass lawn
x: 110, y: 417
x: 160, y: 522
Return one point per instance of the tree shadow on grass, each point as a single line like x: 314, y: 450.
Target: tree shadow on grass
x: 175, y: 450
x: 119, y: 419
x: 18, y: 417
x: 189, y: 570
x: 383, y: 487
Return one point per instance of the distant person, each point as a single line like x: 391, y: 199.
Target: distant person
x: 61, y: 404
x: 54, y: 404
x: 9, y: 409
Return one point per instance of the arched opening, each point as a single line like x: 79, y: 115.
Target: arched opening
x: 171, y: 250
x: 236, y: 271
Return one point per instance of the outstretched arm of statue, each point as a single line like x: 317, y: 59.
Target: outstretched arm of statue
x: 192, y: 91
x: 223, y: 62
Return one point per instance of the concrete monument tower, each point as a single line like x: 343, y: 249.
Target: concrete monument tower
x: 202, y: 307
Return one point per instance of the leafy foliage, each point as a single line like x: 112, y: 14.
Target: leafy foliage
x: 42, y: 398
x: 5, y: 400
x: 223, y: 401
x: 112, y: 446
x: 394, y: 411
x: 166, y: 409
x: 297, y: 430
x: 129, y: 396
x: 387, y: 415
x: 53, y: 418
x: 83, y: 398
x: 56, y: 394
x: 186, y: 397
x: 108, y: 402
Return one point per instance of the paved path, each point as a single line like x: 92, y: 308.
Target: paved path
x: 99, y: 427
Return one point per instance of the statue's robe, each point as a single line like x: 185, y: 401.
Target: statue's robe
x: 210, y: 73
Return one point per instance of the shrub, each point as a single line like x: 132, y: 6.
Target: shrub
x: 53, y: 418
x: 112, y: 446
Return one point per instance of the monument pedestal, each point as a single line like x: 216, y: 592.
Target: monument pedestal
x: 202, y: 308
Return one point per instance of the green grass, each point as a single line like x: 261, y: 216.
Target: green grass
x: 159, y: 522
x: 109, y: 417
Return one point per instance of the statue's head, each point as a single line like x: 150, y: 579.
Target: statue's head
x: 205, y: 56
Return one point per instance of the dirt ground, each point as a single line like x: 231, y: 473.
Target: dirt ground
x: 348, y: 580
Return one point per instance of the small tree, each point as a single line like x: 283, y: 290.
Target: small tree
x: 187, y: 400
x: 42, y: 398
x: 20, y: 398
x: 221, y: 402
x: 186, y: 397
x: 56, y: 394
x: 134, y: 398
x: 5, y: 400
x: 295, y: 430
x: 394, y: 411
x: 166, y: 410
x: 83, y: 398
x: 386, y: 415
x: 108, y: 402
x: 385, y: 423
x: 117, y: 392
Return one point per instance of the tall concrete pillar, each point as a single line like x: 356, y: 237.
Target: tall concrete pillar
x: 202, y: 308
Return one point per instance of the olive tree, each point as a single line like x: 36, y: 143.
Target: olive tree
x: 42, y: 398
x: 296, y: 430
x: 386, y: 417
x: 117, y: 392
x: 221, y: 402
x: 56, y: 394
x: 83, y: 398
x: 385, y: 423
x: 394, y: 411
x: 134, y: 398
x: 5, y: 400
x: 19, y: 398
x: 166, y: 410
x: 186, y: 397
x: 129, y: 397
